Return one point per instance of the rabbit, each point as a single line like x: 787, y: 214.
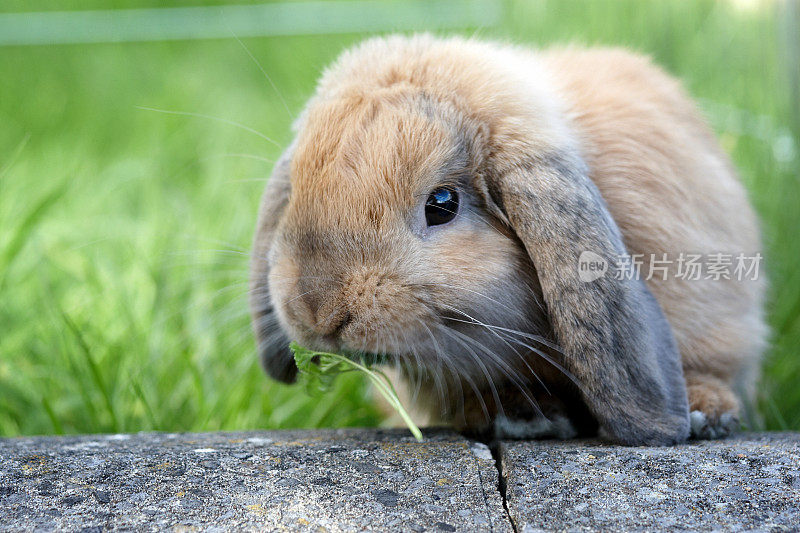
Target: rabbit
x: 435, y: 205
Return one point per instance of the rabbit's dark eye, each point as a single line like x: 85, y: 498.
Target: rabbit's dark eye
x: 441, y: 207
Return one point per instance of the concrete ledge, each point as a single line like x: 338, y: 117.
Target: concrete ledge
x: 349, y: 480
x: 337, y: 480
x: 746, y: 482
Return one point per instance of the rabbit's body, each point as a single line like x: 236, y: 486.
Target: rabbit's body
x: 671, y: 189
x: 485, y: 313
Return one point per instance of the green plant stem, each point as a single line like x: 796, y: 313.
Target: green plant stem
x: 384, y: 386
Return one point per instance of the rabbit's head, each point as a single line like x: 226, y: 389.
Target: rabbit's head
x: 430, y: 213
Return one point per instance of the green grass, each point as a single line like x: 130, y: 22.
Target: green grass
x: 124, y: 232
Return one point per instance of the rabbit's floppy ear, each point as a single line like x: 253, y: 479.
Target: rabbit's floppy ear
x: 614, y: 337
x: 273, y: 345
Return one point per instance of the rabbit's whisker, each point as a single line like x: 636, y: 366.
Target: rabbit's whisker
x: 301, y: 295
x: 482, y: 324
x: 210, y: 117
x: 268, y: 78
x: 505, y: 369
x: 485, y: 371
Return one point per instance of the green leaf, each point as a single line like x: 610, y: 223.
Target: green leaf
x: 319, y: 369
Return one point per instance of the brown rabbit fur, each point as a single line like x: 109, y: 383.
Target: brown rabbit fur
x: 552, y: 153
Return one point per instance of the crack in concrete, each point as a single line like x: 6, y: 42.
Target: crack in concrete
x: 502, y: 481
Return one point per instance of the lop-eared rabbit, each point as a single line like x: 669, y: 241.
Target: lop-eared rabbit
x: 470, y: 210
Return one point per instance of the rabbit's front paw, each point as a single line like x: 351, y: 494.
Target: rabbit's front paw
x: 558, y: 426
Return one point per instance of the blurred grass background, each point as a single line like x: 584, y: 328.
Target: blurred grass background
x: 124, y: 233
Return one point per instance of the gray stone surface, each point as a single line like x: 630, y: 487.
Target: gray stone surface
x: 743, y: 483
x: 338, y: 480
x: 349, y: 480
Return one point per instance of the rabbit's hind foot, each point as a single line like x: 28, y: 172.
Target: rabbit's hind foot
x: 714, y: 409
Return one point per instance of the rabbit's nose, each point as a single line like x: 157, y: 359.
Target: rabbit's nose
x: 328, y: 308
x: 330, y: 326
x: 327, y: 314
